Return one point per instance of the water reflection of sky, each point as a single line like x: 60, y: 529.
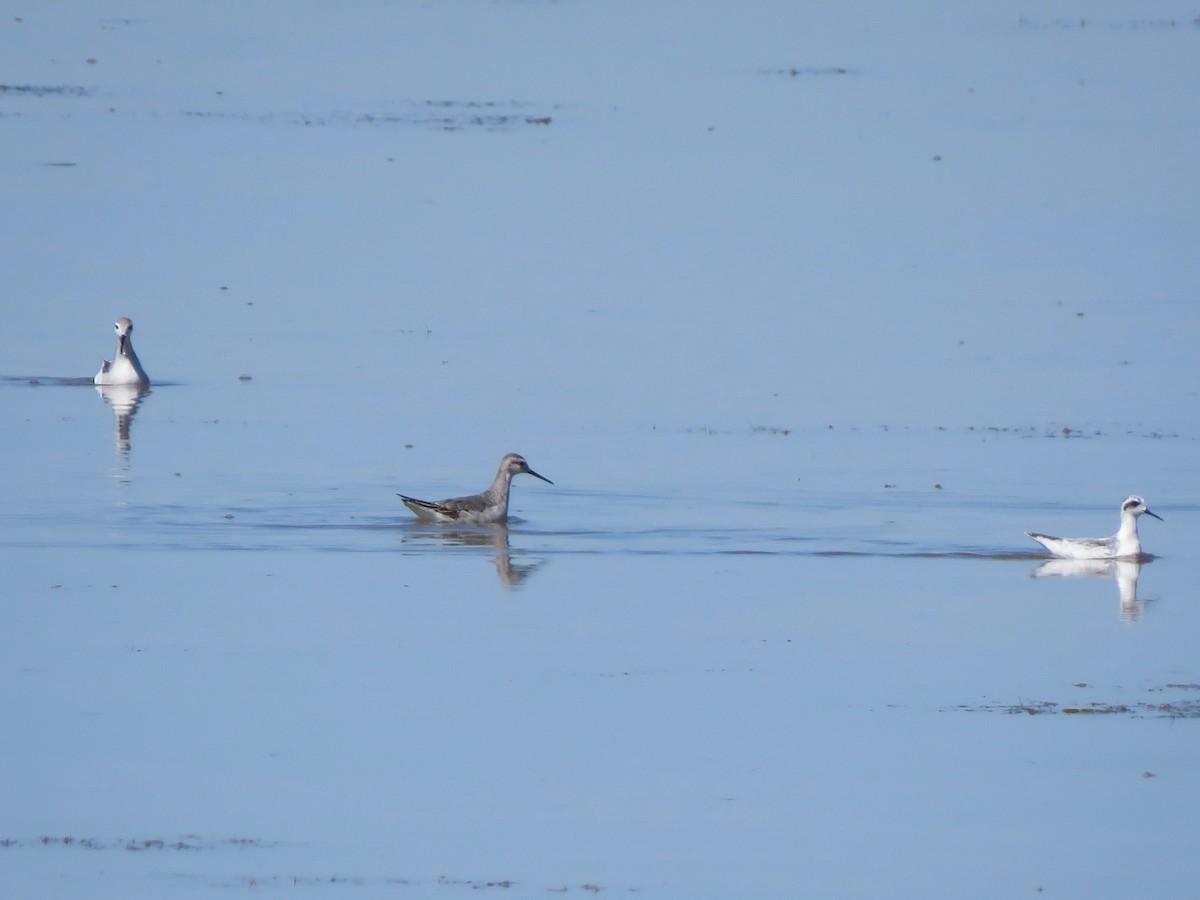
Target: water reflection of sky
x: 810, y: 315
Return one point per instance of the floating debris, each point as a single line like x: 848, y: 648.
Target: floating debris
x: 185, y: 842
x: 44, y: 90
x: 797, y: 71
x: 1081, y: 24
x: 1174, y: 709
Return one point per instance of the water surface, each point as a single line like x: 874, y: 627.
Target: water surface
x: 808, y: 314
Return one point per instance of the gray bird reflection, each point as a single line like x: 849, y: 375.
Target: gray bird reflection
x: 511, y: 574
x: 1124, y: 571
x: 124, y: 400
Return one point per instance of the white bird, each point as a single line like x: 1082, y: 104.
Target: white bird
x: 1122, y: 545
x: 125, y: 367
x: 478, y: 509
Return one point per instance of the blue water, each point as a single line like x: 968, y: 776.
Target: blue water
x: 809, y: 315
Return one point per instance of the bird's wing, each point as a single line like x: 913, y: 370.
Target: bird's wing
x: 429, y: 509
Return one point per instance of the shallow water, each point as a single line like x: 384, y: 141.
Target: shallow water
x: 809, y: 316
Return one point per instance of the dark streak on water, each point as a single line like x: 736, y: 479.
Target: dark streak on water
x: 48, y: 380
x: 44, y: 90
x: 1167, y: 709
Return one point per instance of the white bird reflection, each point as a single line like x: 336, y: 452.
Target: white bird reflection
x: 124, y: 400
x: 1125, y: 571
x: 511, y: 574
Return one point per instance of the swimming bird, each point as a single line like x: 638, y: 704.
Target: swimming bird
x: 125, y: 368
x: 478, y: 509
x: 1122, y: 545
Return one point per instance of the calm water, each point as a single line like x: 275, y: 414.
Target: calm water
x: 808, y: 314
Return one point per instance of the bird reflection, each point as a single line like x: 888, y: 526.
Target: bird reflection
x: 1125, y: 571
x: 124, y: 400
x: 511, y: 574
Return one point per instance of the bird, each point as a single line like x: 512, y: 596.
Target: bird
x: 486, y: 508
x: 125, y: 367
x: 1122, y: 545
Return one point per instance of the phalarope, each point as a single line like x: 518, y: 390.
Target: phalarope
x: 1122, y: 545
x: 125, y: 368
x: 478, y: 509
